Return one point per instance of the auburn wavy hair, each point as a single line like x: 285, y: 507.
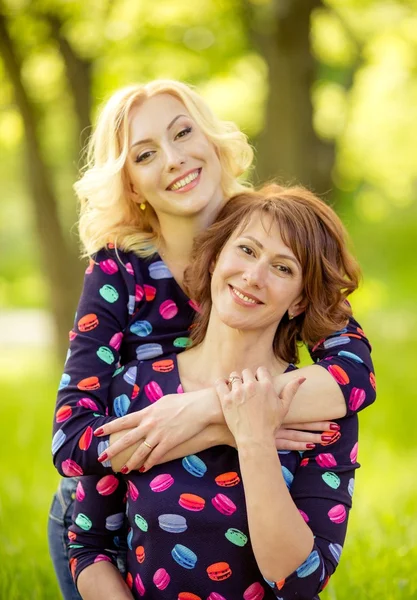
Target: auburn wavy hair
x: 317, y: 238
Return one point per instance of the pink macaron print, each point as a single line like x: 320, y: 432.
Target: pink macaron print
x: 150, y: 292
x: 116, y: 340
x: 223, y: 504
x: 326, y: 460
x: 107, y: 485
x: 79, y: 492
x: 71, y: 469
x: 215, y: 596
x: 304, y: 515
x: 132, y: 491
x: 102, y: 558
x: 153, y: 391
x: 254, y: 592
x: 162, y: 482
x: 354, y: 453
x: 139, y: 292
x: 140, y: 588
x: 337, y: 514
x: 129, y: 268
x: 109, y: 266
x: 356, y: 398
x: 161, y: 579
x: 168, y: 309
x: 63, y: 414
x: 87, y: 403
x: 339, y: 374
x: 194, y: 305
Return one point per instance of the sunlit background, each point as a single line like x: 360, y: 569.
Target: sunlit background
x: 58, y: 60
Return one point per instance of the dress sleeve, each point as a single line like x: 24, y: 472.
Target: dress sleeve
x: 98, y: 522
x: 106, y: 304
x: 322, y: 490
x: 346, y: 354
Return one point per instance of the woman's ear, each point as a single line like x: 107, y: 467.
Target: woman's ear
x: 297, y: 307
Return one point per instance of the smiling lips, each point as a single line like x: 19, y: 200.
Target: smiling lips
x: 185, y: 182
x: 243, y: 299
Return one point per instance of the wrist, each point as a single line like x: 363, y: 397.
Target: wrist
x: 212, y: 407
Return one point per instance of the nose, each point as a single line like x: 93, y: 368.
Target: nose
x: 174, y: 158
x: 255, y: 274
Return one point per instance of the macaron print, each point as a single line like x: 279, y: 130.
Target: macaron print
x: 90, y: 267
x: 337, y: 514
x: 79, y: 494
x: 159, y: 270
x: 108, y: 266
x: 163, y: 366
x: 351, y: 486
x: 87, y: 403
x: 326, y: 460
x: 219, y: 571
x: 194, y: 305
x: 304, y: 515
x: 339, y: 374
x: 223, y: 504
x: 58, y: 440
x: 131, y: 305
x: 236, y: 537
x: 331, y: 479
x: 161, y: 579
x: 83, y: 522
x: 106, y: 355
x: 129, y: 538
x: 86, y: 438
x: 71, y: 469
x: 102, y: 447
x: 140, y: 588
x: 172, y: 523
x: 336, y: 341
x: 116, y: 340
x: 87, y: 322
x: 102, y: 558
x: 350, y: 356
x: 147, y: 351
x: 288, y: 476
x: 182, y: 342
x: 109, y: 293
x: 65, y: 381
x: 188, y: 596
x: 227, y: 479
x: 107, y: 485
x: 168, y: 309
x: 132, y: 491
x: 153, y: 391
x: 141, y: 522
x: 89, y: 384
x: 191, y: 502
x: 114, y: 522
x: 131, y: 375
x: 372, y: 380
x: 140, y: 554
x: 194, y: 465
x: 141, y: 328
x: 73, y: 565
x: 335, y: 551
x: 121, y: 405
x: 129, y: 268
x: 161, y: 482
x: 139, y: 292
x: 357, y: 398
x: 254, y: 592
x: 215, y: 596
x: 310, y: 565
x: 354, y: 453
x: 150, y: 292
x: 185, y: 557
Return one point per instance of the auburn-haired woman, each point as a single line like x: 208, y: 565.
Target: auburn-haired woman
x: 234, y: 518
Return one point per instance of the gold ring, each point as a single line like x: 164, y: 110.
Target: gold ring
x: 147, y: 445
x: 233, y: 379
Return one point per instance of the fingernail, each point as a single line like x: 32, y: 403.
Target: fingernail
x: 334, y: 427
x: 142, y: 470
x: 310, y: 446
x: 99, y: 431
x: 124, y: 470
x: 301, y: 380
x: 326, y: 438
x: 103, y: 457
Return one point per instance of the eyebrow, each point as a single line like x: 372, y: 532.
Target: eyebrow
x: 147, y: 140
x: 261, y: 247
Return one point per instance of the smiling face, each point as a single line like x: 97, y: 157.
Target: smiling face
x: 257, y: 278
x: 171, y: 164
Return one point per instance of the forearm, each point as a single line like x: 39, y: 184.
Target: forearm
x: 102, y: 580
x: 280, y: 538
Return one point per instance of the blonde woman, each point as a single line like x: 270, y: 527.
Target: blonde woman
x: 161, y: 166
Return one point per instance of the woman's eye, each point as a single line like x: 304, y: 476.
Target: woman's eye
x: 283, y: 269
x: 143, y: 156
x: 246, y: 250
x: 184, y: 132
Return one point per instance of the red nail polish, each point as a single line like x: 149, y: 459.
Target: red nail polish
x: 99, y: 431
x: 142, y: 470
x: 124, y: 470
x: 301, y: 380
x: 103, y: 457
x: 334, y: 427
x: 326, y: 438
x: 310, y: 446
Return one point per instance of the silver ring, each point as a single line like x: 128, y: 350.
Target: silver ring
x: 147, y: 445
x: 231, y: 380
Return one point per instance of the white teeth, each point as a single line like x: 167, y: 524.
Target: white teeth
x: 243, y: 297
x: 185, y: 181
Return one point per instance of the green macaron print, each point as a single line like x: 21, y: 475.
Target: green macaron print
x: 109, y: 293
x: 236, y: 536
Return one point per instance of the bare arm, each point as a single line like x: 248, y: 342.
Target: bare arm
x: 102, y: 580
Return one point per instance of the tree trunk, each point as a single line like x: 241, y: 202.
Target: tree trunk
x: 288, y: 147
x: 62, y: 269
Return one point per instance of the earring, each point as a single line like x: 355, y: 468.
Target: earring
x: 142, y: 206
x: 290, y: 316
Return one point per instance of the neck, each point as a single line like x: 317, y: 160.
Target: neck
x: 224, y: 350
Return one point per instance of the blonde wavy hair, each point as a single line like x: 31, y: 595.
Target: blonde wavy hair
x: 107, y: 212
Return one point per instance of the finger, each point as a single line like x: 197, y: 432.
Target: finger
x: 236, y: 379
x: 263, y: 374
x: 126, y: 422
x: 222, y: 387
x: 298, y: 436
x: 139, y: 456
x: 248, y: 376
x: 290, y: 389
x: 126, y: 441
x: 289, y: 445
x: 313, y: 426
x: 154, y: 457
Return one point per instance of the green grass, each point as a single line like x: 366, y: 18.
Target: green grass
x: 380, y: 556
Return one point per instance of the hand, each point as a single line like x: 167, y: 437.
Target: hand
x: 252, y: 409
x: 299, y: 436
x: 174, y: 419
